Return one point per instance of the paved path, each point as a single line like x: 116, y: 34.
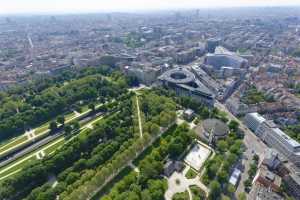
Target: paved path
x: 139, y: 116
x: 128, y: 163
x: 184, y: 184
x: 28, y: 157
x: 135, y: 168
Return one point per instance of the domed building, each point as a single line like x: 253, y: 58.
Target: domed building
x: 214, y: 129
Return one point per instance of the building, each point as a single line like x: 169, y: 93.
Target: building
x: 211, y: 44
x: 292, y: 183
x: 275, y: 138
x: 188, y: 114
x: 268, y: 179
x: 224, y: 58
x: 214, y: 129
x: 235, y: 177
x: 171, y: 166
x: 263, y: 193
x: 238, y: 108
x: 184, y: 83
x: 253, y: 120
x: 271, y: 159
x: 145, y: 75
x: 186, y: 56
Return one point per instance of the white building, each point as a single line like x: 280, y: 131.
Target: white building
x: 235, y: 176
x: 275, y: 138
x: 253, y: 120
x: 222, y: 57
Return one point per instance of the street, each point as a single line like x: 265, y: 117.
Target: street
x: 252, y: 143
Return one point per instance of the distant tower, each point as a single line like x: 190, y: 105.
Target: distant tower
x: 108, y: 17
x: 53, y: 19
x: 178, y: 15
x: 8, y: 20
x: 197, y: 13
x: 211, y: 44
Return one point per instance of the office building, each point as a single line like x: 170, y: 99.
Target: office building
x: 224, y: 58
x: 275, y: 138
x: 253, y: 120
x: 184, y: 83
x: 292, y: 183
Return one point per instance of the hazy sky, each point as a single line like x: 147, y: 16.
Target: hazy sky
x: 58, y: 6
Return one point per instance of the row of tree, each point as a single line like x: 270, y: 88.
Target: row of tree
x: 219, y: 168
x: 148, y: 183
x: 20, y: 112
x: 77, y: 152
x: 127, y: 153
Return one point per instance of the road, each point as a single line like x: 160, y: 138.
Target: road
x: 17, y: 154
x: 36, y: 137
x: 250, y: 139
x: 253, y: 146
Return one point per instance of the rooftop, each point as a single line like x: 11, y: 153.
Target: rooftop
x: 216, y: 126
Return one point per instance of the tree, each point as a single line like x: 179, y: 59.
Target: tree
x: 247, y: 183
x: 60, y: 119
x: 215, y: 190
x: 75, y: 125
x: 92, y: 107
x: 53, y: 126
x: 212, y: 170
x: 231, y: 158
x: 222, y: 145
x: 242, y: 196
x: 256, y: 158
x: 230, y: 189
x: 233, y: 125
x: 176, y: 147
x: 225, y: 197
x: 68, y: 129
x: 222, y: 176
x: 154, y: 129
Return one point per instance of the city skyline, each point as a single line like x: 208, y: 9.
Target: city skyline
x: 77, y: 6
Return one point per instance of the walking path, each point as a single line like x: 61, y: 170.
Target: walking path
x: 139, y: 116
x: 183, y: 185
x: 26, y: 158
x: 31, y: 136
x: 135, y: 168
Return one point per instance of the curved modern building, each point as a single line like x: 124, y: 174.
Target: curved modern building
x: 185, y: 83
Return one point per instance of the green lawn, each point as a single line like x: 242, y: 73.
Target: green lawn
x: 181, y: 196
x: 15, y: 142
x: 22, y: 164
x: 41, y: 129
x: 17, y: 167
x: 54, y: 147
x: 47, y: 151
x: 84, y: 109
x: 191, y: 174
x: 198, y: 193
x: 69, y: 116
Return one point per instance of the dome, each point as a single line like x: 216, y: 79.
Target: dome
x: 215, y: 126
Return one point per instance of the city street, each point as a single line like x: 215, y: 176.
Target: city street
x: 252, y: 143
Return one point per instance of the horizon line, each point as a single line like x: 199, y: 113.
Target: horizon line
x: 139, y: 11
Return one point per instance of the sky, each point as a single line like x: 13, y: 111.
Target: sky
x: 81, y: 6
